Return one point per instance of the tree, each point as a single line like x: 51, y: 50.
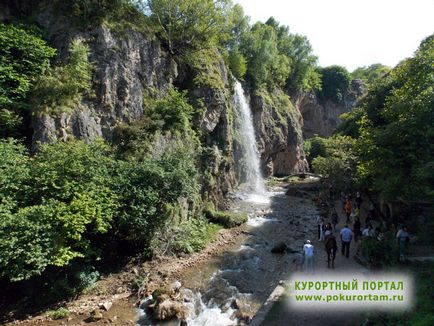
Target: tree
x: 189, y: 24
x: 24, y: 56
x: 371, y: 73
x: 397, y: 129
x: 335, y: 81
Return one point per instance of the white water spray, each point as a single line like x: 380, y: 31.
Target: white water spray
x: 247, y: 139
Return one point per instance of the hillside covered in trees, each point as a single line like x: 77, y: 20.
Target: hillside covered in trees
x: 117, y: 134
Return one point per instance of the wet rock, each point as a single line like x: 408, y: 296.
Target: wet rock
x: 106, y: 305
x: 95, y: 315
x: 243, y: 317
x: 175, y: 286
x: 169, y: 309
x: 279, y: 248
x: 236, y: 304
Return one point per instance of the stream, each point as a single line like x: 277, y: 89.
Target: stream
x: 233, y: 285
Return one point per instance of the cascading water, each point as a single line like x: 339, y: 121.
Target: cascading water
x: 246, y: 137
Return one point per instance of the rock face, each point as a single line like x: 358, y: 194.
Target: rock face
x: 127, y: 66
x: 322, y: 118
x: 278, y: 126
x: 130, y: 66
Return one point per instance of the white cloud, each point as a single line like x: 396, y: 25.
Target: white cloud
x: 352, y: 33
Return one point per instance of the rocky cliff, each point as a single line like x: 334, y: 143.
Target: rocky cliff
x: 322, y: 117
x: 278, y: 125
x: 131, y: 65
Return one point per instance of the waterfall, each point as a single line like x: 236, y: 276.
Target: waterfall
x: 246, y: 136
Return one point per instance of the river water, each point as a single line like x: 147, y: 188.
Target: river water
x: 233, y: 286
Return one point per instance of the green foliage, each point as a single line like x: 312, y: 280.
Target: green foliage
x: 397, y: 130
x: 266, y: 66
x: 23, y: 57
x: 226, y: 219
x: 194, y: 24
x: 171, y: 113
x: 146, y: 187
x: 371, y: 73
x: 60, y: 313
x: 350, y: 123
x: 335, y: 81
x: 63, y: 199
x: 62, y: 87
x: 314, y: 147
x: 380, y: 251
x: 193, y: 235
x: 338, y: 165
x: 237, y: 64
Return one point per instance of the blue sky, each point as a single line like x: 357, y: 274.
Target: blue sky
x: 352, y: 33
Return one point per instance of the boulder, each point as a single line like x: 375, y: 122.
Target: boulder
x: 279, y: 248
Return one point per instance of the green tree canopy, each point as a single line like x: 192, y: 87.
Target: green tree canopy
x: 335, y: 81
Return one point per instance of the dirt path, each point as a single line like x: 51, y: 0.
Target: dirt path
x: 278, y: 312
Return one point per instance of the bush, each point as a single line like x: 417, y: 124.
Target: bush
x: 63, y: 86
x: 58, y: 313
x: 193, y: 235
x: 226, y: 219
x: 383, y: 252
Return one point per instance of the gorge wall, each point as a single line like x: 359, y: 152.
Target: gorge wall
x: 322, y: 117
x: 131, y: 65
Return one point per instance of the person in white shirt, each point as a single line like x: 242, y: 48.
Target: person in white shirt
x: 346, y: 237
x: 308, y: 257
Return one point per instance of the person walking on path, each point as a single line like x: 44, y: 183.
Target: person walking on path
x: 348, y: 208
x: 356, y: 229
x: 335, y: 219
x: 308, y: 257
x: 358, y: 199
x: 346, y: 237
x: 320, y: 222
x: 403, y: 239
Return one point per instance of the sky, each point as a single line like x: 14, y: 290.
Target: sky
x: 352, y: 33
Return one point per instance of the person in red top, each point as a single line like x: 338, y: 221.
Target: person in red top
x: 348, y: 208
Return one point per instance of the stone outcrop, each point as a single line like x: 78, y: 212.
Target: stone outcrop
x: 132, y: 65
x: 278, y: 126
x: 322, y: 118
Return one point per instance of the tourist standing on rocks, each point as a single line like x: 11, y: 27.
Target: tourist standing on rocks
x: 308, y: 257
x: 346, y: 237
x: 368, y: 231
x: 403, y: 239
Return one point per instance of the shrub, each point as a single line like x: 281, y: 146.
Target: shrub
x: 63, y: 86
x: 58, y: 313
x: 226, y: 219
x: 193, y: 235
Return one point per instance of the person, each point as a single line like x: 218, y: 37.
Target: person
x: 368, y: 231
x: 328, y: 231
x: 308, y: 257
x: 403, y: 238
x: 358, y: 199
x: 330, y: 245
x: 346, y: 237
x: 321, y: 233
x: 348, y: 208
x: 356, y: 228
x: 320, y: 223
x: 334, y: 219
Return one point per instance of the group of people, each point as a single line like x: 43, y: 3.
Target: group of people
x: 347, y: 235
